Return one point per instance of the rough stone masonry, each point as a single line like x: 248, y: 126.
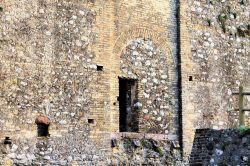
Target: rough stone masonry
x: 62, y: 60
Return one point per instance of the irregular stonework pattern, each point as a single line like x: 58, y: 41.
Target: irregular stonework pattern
x: 141, y: 60
x: 35, y: 75
x: 67, y: 150
x: 221, y: 147
x: 62, y: 59
x: 46, y: 68
x: 58, y: 59
x: 216, y: 56
x: 145, y: 152
x: 221, y: 58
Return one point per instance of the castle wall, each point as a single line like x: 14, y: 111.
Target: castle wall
x: 62, y: 59
x: 226, y: 146
x: 157, y: 25
x: 215, y: 53
x: 48, y: 67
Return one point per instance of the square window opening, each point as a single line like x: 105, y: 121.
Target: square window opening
x: 42, y: 130
x: 99, y: 68
x: 91, y: 121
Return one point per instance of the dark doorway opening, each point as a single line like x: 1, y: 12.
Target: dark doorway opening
x: 42, y: 130
x: 128, y: 97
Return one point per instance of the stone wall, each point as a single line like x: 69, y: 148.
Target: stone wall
x: 62, y: 59
x: 74, y: 148
x: 46, y: 65
x: 145, y: 149
x: 47, y: 68
x: 215, y: 62
x: 143, y: 61
x: 220, y: 147
x: 157, y: 26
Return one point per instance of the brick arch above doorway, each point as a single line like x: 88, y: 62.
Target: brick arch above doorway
x: 158, y: 37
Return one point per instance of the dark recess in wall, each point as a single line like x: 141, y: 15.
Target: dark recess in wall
x: 99, y: 68
x: 179, y: 85
x: 42, y: 130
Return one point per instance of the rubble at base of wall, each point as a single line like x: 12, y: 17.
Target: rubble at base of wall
x: 145, y: 149
x: 145, y: 152
x: 80, y: 149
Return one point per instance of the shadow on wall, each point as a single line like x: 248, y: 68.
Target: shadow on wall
x: 221, y: 147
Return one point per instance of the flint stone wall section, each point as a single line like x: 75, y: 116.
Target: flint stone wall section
x: 215, y: 53
x: 142, y: 61
x: 220, y: 147
x: 49, y: 52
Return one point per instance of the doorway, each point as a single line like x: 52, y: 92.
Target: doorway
x: 128, y: 96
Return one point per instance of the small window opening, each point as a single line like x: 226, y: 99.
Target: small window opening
x: 42, y: 130
x: 43, y: 123
x: 7, y: 141
x: 190, y: 78
x: 128, y: 105
x: 91, y: 121
x: 99, y: 68
x: 113, y: 143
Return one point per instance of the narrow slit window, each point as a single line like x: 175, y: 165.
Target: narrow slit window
x: 190, y: 78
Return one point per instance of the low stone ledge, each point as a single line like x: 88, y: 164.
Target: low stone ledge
x: 160, y: 137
